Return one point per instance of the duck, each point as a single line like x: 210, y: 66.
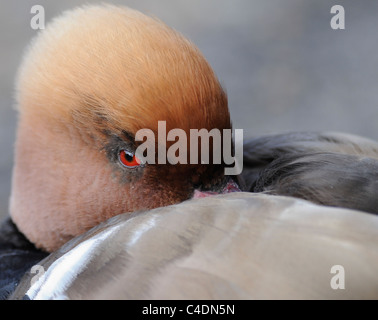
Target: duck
x: 88, y: 83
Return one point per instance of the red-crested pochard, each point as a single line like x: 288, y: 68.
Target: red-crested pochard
x: 87, y: 84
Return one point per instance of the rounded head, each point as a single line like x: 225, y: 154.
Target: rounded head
x: 87, y: 84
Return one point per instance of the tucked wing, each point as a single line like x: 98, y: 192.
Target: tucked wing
x: 326, y: 168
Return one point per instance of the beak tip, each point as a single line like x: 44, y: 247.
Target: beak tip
x: 231, y: 186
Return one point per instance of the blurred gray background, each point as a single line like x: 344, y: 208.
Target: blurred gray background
x: 282, y: 65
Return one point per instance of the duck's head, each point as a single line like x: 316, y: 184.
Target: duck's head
x: 87, y: 84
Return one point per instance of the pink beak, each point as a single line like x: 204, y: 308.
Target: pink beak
x: 231, y: 186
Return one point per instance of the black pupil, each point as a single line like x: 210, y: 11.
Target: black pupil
x: 128, y: 156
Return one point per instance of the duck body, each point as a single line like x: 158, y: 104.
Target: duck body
x: 233, y: 246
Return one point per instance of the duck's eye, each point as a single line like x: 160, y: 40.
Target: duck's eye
x: 128, y: 159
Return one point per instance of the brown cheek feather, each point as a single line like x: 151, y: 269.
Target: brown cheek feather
x: 81, y: 192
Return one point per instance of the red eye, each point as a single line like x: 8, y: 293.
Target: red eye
x: 128, y: 159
